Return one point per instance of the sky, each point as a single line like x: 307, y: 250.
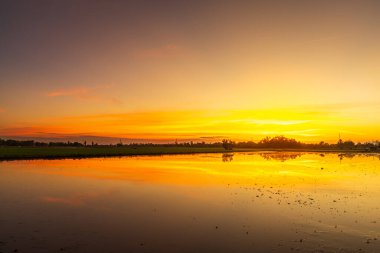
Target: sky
x: 190, y: 70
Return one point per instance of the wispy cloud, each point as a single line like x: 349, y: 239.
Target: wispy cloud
x: 78, y: 92
x: 89, y: 93
x: 34, y: 130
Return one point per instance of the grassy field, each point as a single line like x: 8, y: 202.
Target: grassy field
x: 14, y: 153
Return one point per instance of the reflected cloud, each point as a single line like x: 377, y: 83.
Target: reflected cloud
x: 77, y: 199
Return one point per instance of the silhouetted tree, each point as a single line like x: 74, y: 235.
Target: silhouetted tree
x: 279, y: 142
x: 227, y: 144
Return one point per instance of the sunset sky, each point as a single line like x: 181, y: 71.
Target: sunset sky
x: 190, y: 70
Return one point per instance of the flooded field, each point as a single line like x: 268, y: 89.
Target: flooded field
x: 243, y: 202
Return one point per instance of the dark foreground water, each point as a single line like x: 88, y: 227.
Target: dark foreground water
x: 247, y: 202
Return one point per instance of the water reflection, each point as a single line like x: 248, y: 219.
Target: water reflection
x: 227, y: 157
x: 280, y: 156
x: 244, y: 202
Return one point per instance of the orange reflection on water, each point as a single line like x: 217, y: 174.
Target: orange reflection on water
x: 265, y: 168
x: 242, y: 202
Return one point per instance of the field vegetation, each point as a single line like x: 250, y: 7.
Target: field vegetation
x: 13, y: 149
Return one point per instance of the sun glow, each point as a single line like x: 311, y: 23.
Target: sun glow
x: 307, y: 124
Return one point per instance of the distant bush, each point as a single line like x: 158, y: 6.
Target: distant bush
x: 227, y: 144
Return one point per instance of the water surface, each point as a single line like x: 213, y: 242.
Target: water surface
x: 243, y: 202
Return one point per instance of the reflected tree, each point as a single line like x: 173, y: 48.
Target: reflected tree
x: 227, y: 157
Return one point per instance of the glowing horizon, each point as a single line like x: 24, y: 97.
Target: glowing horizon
x: 240, y: 125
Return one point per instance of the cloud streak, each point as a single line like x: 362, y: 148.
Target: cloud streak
x: 85, y: 93
x: 77, y: 92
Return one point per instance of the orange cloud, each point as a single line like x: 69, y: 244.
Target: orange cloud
x: 2, y: 110
x: 79, y: 92
x: 85, y: 93
x: 36, y: 130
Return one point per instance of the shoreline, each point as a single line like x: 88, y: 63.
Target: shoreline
x: 34, y: 153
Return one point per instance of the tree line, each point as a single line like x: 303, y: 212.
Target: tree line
x: 277, y: 142
x: 282, y: 142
